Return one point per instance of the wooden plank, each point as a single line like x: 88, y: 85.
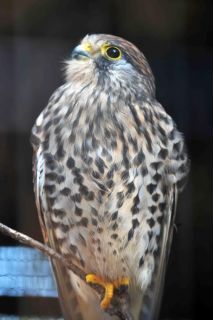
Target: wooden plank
x: 29, y: 306
x: 9, y: 317
x: 25, y: 272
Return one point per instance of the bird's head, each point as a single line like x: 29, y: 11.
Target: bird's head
x: 110, y: 62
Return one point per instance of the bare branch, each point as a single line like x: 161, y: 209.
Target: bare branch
x: 120, y: 303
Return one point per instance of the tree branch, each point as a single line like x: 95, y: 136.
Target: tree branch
x: 120, y: 303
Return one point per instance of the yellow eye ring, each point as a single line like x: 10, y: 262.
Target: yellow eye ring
x: 112, y: 53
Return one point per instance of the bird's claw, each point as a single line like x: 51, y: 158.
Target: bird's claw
x: 108, y: 286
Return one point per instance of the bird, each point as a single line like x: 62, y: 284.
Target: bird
x: 108, y: 166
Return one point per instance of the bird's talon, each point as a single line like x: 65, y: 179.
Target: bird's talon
x: 121, y: 282
x: 108, y: 286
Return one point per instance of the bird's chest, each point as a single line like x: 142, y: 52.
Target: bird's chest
x: 100, y: 196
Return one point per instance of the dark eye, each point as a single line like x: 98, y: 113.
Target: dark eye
x: 113, y: 53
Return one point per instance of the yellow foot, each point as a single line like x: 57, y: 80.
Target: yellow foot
x: 108, y: 286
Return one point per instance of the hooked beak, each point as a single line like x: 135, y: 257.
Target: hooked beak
x: 82, y: 52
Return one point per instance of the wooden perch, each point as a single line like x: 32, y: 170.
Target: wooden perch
x: 120, y: 303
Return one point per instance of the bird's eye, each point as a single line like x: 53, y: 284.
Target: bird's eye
x: 113, y: 53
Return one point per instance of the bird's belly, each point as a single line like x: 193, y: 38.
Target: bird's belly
x: 99, y: 243
x: 102, y: 228
x: 103, y: 235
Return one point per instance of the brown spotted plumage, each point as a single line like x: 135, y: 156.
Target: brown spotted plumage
x: 108, y: 166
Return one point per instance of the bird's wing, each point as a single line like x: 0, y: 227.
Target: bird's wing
x: 152, y: 299
x: 67, y: 295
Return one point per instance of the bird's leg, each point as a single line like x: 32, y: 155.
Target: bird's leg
x: 108, y: 286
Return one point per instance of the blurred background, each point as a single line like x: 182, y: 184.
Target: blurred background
x: 176, y: 37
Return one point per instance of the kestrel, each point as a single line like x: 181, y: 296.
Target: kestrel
x: 108, y: 166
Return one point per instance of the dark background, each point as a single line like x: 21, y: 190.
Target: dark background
x: 175, y: 35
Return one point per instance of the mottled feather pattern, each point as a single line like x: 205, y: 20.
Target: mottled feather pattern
x: 111, y: 159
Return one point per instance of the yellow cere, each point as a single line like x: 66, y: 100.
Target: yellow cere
x: 87, y: 47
